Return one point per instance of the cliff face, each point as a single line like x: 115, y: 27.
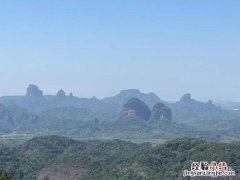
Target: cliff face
x: 161, y: 111
x: 135, y: 108
x: 4, y: 114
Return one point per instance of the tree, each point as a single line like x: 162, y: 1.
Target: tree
x: 4, y: 175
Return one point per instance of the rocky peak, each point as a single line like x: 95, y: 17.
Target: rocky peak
x: 211, y: 105
x: 210, y: 102
x: 149, y: 98
x: 161, y: 111
x: 130, y: 91
x: 34, y: 91
x: 135, y: 108
x: 186, y: 98
x: 61, y: 93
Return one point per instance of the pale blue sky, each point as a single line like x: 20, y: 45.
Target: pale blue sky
x: 97, y: 48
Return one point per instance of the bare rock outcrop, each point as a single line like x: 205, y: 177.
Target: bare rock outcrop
x: 161, y: 112
x: 34, y: 91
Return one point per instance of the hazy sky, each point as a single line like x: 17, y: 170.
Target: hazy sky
x: 97, y: 48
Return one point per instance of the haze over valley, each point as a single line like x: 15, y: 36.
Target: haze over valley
x: 119, y: 90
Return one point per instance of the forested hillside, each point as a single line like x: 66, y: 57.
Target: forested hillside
x: 53, y: 156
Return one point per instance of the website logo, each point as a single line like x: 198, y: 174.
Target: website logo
x: 213, y: 169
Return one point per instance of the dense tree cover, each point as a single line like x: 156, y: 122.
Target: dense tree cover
x: 115, y: 159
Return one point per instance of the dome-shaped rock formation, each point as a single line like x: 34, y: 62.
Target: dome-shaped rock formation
x: 161, y: 111
x: 135, y: 108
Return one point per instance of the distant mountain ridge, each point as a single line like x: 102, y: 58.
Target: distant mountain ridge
x: 35, y: 101
x: 187, y: 109
x: 90, y: 117
x: 183, y: 110
x: 149, y: 98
